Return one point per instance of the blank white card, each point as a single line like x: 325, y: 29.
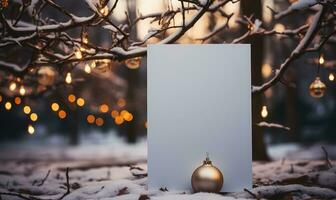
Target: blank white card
x: 199, y: 100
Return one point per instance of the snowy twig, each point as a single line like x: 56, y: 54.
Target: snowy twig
x: 67, y: 184
x: 272, y: 125
x: 328, y: 163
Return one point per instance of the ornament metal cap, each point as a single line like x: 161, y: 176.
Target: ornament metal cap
x: 207, y: 160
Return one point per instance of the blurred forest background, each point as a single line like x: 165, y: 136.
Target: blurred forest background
x: 112, y: 99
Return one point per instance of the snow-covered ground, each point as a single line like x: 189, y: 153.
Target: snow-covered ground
x: 105, y: 167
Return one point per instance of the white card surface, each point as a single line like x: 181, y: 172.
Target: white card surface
x: 199, y: 100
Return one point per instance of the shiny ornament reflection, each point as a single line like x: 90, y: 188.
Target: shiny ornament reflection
x: 207, y: 178
x: 317, y: 88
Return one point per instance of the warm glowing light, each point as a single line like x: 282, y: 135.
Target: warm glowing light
x: 317, y: 88
x: 22, y: 90
x: 0, y: 98
x: 331, y: 77
x: 133, y: 63
x: 78, y: 53
x: 8, y: 105
x: 93, y: 64
x: 99, y: 121
x: 279, y: 28
x: 85, y: 38
x: 30, y: 129
x: 62, y: 114
x: 80, y: 102
x: 90, y: 119
x: 87, y: 68
x: 114, y: 113
x: 264, y: 112
x: 12, y: 86
x: 33, y: 117
x: 123, y: 112
x: 71, y: 98
x: 104, y: 108
x: 68, y: 78
x: 17, y: 100
x: 119, y: 120
x: 104, y: 11
x: 128, y: 117
x: 121, y: 102
x: 54, y: 107
x: 321, y: 60
x: 266, y: 70
x: 26, y: 109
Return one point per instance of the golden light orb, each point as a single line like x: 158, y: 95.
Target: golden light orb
x: 85, y: 37
x: 146, y: 124
x: 33, y: 117
x: 87, y: 68
x: 54, y: 107
x: 331, y: 77
x: 207, y: 178
x: 8, y: 105
x: 317, y: 88
x: 114, y: 113
x: 80, y: 102
x: 30, y: 129
x: 121, y: 102
x: 104, y: 108
x: 266, y: 70
x: 104, y: 11
x: 93, y: 64
x: 90, y: 119
x: 26, y: 109
x: 71, y: 98
x: 321, y: 60
x: 99, y: 121
x: 68, y: 78
x: 119, y: 120
x: 279, y: 28
x: 128, y: 117
x: 12, y: 86
x: 62, y: 114
x: 264, y: 112
x: 133, y: 63
x: 17, y: 100
x: 22, y: 90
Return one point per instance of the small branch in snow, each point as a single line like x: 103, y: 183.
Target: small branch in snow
x: 326, y: 157
x: 43, y: 180
x: 252, y: 194
x: 67, y: 184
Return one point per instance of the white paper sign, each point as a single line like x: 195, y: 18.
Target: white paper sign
x: 199, y: 100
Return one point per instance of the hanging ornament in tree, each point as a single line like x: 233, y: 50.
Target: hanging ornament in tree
x: 207, y: 178
x: 46, y: 75
x: 133, y: 63
x: 317, y: 88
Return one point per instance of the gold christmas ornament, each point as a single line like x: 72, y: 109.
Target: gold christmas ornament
x: 317, y: 88
x: 46, y: 76
x: 207, y: 178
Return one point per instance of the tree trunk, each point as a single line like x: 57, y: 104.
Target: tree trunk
x: 248, y: 8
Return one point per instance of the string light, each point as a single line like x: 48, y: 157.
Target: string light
x: 119, y: 120
x: 30, y: 129
x: 121, y: 102
x: 85, y: 37
x: 80, y: 102
x: 8, y: 105
x: 54, y: 107
x: 93, y: 64
x: 71, y: 98
x: 279, y: 28
x: 0, y: 98
x: 90, y: 119
x: 264, y: 112
x: 22, y: 90
x: 104, y: 108
x: 331, y: 77
x: 104, y: 11
x: 128, y: 116
x: 62, y: 114
x: 33, y: 117
x: 114, y: 113
x: 26, y: 109
x: 321, y: 60
x: 12, y: 86
x: 87, y: 68
x: 99, y: 121
x: 78, y: 53
x: 17, y: 100
x: 266, y: 70
x: 68, y: 78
